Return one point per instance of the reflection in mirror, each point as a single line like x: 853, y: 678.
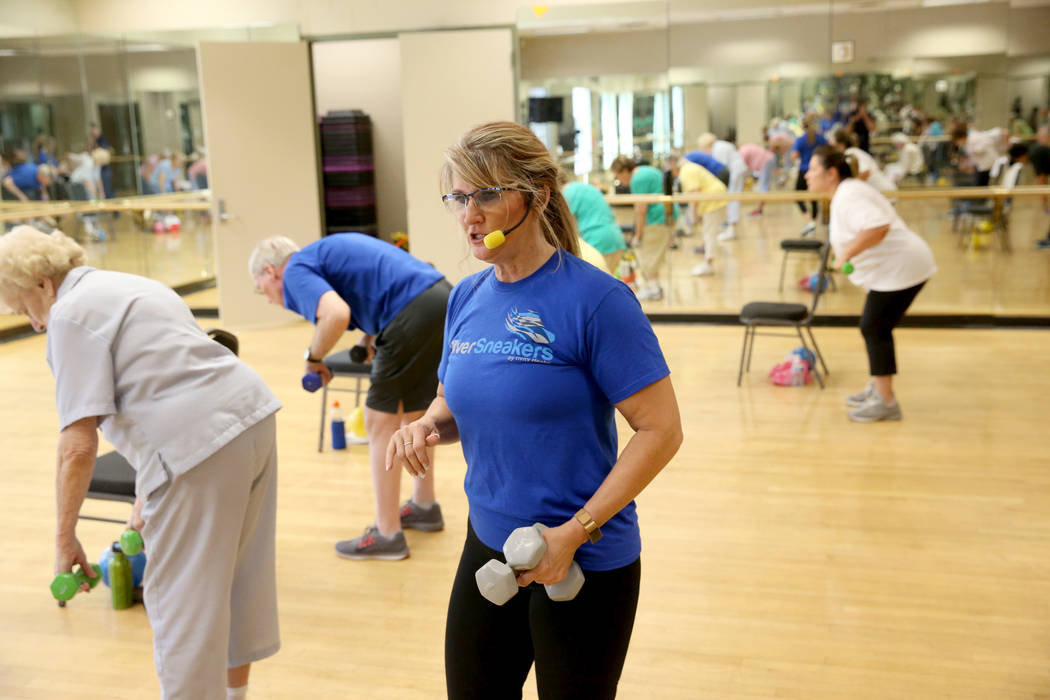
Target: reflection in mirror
x: 109, y: 117
x: 749, y: 74
x: 106, y: 108
x: 594, y: 83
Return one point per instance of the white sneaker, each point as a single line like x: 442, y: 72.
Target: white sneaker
x: 809, y: 230
x: 728, y: 235
x: 704, y: 269
x: 651, y: 294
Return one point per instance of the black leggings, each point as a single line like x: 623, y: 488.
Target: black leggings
x: 579, y: 646
x: 882, y: 312
x: 800, y: 185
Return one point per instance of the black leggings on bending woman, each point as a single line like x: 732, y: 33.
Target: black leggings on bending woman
x: 800, y: 185
x: 579, y: 646
x: 882, y: 312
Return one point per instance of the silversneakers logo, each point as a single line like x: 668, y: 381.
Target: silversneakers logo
x: 532, y: 344
x: 528, y: 325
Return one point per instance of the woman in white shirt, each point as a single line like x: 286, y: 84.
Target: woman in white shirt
x: 889, y: 260
x: 197, y: 425
x: 867, y: 168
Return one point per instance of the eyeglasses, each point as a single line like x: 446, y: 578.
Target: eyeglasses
x: 484, y: 198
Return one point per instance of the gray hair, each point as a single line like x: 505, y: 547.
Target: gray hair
x: 28, y: 256
x: 270, y: 251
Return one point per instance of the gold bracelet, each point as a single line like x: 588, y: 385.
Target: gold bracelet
x: 594, y: 533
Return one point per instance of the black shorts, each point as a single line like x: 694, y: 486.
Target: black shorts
x: 408, y: 352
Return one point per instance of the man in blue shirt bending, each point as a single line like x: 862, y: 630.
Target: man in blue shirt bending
x: 347, y: 281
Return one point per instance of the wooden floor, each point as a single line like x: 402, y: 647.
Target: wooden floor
x: 788, y: 553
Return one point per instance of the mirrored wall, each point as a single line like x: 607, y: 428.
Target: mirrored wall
x: 104, y: 117
x: 647, y: 79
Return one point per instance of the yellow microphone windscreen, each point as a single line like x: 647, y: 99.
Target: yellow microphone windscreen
x: 494, y: 240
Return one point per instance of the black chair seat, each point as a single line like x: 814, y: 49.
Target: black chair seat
x: 801, y: 244
x: 113, y: 477
x: 773, y: 311
x: 981, y: 209
x: 340, y: 363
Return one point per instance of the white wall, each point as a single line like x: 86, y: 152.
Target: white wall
x: 160, y: 71
x: 992, y: 104
x: 366, y: 75
x: 437, y: 111
x: 750, y: 112
x: 697, y: 114
x: 594, y: 54
x: 314, y: 17
x: 721, y: 100
x: 35, y: 17
x: 963, y: 30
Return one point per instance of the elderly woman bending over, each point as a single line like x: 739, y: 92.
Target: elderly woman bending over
x: 198, y: 426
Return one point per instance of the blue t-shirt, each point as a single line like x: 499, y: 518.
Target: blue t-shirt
x: 24, y: 177
x: 707, y: 161
x: 374, y: 278
x: 164, y: 166
x: 805, y: 150
x: 594, y: 217
x: 531, y: 372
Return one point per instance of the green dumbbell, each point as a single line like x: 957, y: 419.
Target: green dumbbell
x: 66, y: 585
x: 131, y: 542
x: 847, y: 268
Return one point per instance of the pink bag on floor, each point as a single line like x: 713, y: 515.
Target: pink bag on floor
x: 782, y: 376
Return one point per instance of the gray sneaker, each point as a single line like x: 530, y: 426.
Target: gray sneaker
x: 857, y: 400
x: 875, y: 410
x: 416, y: 517
x: 373, y: 545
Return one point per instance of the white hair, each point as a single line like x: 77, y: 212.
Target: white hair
x: 270, y: 251
x: 706, y: 141
x: 28, y: 256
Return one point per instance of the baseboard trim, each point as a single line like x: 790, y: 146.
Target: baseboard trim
x: 958, y: 321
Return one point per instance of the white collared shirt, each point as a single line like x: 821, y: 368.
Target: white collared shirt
x: 127, y: 349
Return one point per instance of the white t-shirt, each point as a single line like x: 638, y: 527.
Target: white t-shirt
x: 84, y: 169
x: 912, y: 159
x: 726, y: 153
x: 900, y: 260
x: 982, y: 147
x: 126, y: 349
x: 867, y: 164
x: 1011, y: 176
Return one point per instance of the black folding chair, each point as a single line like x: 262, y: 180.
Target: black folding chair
x: 774, y: 313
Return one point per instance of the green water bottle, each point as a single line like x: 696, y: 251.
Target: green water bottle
x: 121, y: 584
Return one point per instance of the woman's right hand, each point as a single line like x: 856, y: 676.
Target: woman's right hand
x: 408, y: 447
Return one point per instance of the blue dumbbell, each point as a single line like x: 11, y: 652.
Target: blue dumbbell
x: 312, y: 381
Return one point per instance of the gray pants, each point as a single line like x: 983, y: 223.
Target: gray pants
x: 210, y: 587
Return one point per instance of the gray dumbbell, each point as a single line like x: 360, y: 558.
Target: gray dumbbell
x: 523, y: 549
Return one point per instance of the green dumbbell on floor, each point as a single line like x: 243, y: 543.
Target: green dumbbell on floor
x: 66, y: 585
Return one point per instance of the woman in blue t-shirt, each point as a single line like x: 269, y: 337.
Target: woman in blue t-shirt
x: 802, y: 152
x: 540, y: 351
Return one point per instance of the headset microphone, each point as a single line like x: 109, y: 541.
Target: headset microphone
x: 498, y: 237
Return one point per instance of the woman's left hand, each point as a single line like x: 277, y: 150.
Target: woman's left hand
x: 562, y: 543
